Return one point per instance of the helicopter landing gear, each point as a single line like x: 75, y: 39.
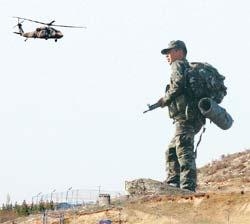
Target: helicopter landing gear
x: 55, y: 40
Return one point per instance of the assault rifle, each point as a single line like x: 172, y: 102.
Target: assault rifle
x: 152, y: 107
x: 156, y: 105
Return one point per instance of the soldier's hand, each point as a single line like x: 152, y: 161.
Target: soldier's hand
x: 160, y: 102
x: 164, y: 101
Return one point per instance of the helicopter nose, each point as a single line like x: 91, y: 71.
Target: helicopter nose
x: 59, y: 34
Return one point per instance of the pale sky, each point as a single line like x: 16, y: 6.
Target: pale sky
x: 71, y: 111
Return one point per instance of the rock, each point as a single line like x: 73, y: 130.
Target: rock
x: 145, y: 186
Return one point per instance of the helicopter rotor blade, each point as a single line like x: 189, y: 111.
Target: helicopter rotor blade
x: 50, y: 23
x: 35, y: 21
x: 84, y: 27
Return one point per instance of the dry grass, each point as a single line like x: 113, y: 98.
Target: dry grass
x: 229, y: 171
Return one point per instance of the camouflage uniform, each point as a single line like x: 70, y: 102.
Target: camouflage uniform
x: 180, y: 156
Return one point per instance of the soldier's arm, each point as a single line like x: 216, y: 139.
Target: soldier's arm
x: 177, y: 81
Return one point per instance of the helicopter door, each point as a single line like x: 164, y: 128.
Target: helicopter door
x: 41, y: 33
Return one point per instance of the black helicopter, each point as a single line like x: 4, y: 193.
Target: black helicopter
x: 46, y: 32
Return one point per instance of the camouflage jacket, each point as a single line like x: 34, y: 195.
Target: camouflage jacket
x: 180, y: 107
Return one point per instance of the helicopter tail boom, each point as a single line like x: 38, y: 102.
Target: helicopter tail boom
x: 18, y: 33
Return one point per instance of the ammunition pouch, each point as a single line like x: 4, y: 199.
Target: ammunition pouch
x: 215, y: 113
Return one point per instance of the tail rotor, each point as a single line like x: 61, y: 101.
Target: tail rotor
x: 19, y: 25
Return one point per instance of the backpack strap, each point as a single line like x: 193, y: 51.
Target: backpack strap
x: 199, y: 141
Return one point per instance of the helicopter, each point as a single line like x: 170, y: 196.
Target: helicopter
x: 46, y: 32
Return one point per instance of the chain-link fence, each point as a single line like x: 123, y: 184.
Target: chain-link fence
x: 68, y: 202
x: 74, y: 196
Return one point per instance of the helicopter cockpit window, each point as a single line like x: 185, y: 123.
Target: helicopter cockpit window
x: 38, y: 29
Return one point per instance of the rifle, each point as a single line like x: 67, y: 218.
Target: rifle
x: 156, y: 105
x: 152, y: 107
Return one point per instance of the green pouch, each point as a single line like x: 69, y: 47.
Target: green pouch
x: 172, y: 109
x: 181, y: 103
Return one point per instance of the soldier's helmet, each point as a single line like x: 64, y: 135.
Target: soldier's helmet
x: 178, y: 44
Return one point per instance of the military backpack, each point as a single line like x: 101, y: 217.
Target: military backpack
x: 203, y: 80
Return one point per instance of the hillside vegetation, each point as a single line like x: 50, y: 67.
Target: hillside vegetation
x: 229, y: 173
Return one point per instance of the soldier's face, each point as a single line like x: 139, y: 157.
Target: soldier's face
x: 173, y: 55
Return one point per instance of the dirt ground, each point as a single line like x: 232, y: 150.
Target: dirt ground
x: 208, y: 208
x: 201, y: 209
x: 226, y: 201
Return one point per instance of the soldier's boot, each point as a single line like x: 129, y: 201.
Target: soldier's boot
x: 188, y: 179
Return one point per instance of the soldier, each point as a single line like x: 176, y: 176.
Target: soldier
x: 180, y: 155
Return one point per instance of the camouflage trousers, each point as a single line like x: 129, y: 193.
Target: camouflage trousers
x: 180, y: 156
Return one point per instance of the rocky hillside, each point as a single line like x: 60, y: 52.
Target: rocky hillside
x: 229, y: 173
x: 223, y: 196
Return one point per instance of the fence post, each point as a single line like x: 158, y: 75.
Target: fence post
x: 61, y: 218
x: 44, y: 217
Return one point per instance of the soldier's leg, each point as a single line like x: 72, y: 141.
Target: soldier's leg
x: 172, y: 165
x: 186, y: 157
